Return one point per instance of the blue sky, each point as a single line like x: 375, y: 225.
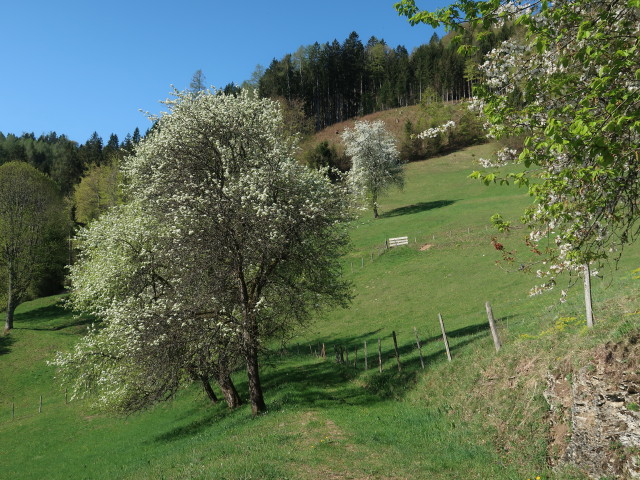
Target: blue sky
x: 75, y: 67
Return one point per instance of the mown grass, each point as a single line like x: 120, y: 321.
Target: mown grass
x: 480, y: 416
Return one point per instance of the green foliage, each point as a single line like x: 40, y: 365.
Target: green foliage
x: 411, y: 148
x: 324, y: 155
x: 33, y: 232
x: 500, y: 223
x: 99, y: 189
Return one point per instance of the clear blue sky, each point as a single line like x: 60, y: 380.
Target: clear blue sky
x: 75, y: 67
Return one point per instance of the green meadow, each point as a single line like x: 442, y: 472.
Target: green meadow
x: 480, y: 416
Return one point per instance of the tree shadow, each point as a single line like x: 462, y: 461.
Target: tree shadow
x: 6, y: 341
x: 417, y: 208
x: 191, y: 429
x: 327, y: 383
x: 50, y: 318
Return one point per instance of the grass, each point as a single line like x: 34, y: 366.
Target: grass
x: 480, y: 416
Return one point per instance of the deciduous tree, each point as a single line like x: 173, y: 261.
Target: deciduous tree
x: 33, y: 228
x: 241, y: 244
x: 376, y: 164
x: 99, y: 189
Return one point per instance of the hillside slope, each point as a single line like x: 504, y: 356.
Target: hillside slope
x: 482, y: 415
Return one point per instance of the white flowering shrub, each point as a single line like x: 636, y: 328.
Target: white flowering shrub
x: 436, y: 131
x: 571, y: 87
x: 376, y: 164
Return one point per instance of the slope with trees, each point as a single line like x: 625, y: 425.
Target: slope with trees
x: 337, y: 81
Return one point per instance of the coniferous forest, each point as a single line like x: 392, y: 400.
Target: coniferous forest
x: 337, y: 81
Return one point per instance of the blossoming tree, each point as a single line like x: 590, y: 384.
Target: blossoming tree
x: 376, y: 164
x: 230, y: 240
x: 571, y: 87
x: 153, y: 337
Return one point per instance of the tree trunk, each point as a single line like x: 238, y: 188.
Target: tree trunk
x: 229, y: 390
x: 12, y: 303
x: 8, y: 324
x: 255, y: 388
x: 587, y: 295
x: 207, y: 388
x: 250, y: 347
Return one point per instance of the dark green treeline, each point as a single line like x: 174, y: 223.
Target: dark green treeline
x: 337, y: 81
x: 64, y: 160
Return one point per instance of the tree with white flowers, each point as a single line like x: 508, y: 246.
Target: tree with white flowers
x: 376, y: 164
x: 153, y: 337
x: 571, y: 86
x: 228, y: 243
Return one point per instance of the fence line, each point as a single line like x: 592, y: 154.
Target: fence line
x: 342, y: 351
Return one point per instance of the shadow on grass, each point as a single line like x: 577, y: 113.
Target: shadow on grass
x: 405, y: 337
x: 309, y: 382
x: 51, y: 318
x: 192, y: 428
x: 417, y: 208
x: 5, y: 343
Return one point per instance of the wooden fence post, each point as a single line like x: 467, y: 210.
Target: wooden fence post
x: 492, y: 325
x: 355, y: 357
x: 40, y: 408
x: 347, y: 351
x: 379, y: 355
x: 323, y: 352
x: 587, y: 295
x: 395, y: 347
x: 415, y: 330
x: 444, y: 337
x: 366, y: 366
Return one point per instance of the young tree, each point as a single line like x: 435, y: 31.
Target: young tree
x: 198, y: 82
x: 33, y: 228
x: 571, y: 87
x: 243, y: 242
x: 376, y: 163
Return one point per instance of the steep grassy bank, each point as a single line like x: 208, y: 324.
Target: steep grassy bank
x: 480, y: 416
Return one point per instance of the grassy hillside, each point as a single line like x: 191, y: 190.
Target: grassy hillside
x: 480, y: 416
